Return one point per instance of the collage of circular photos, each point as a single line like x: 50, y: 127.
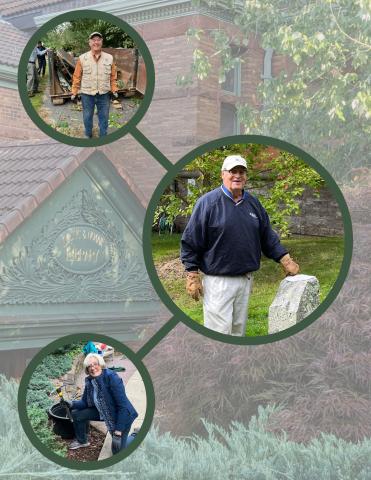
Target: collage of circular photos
x: 230, y: 242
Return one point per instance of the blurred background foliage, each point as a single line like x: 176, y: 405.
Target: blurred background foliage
x: 247, y: 452
x: 73, y: 36
x: 282, y: 176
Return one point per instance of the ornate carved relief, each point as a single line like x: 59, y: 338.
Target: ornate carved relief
x: 177, y: 9
x: 79, y: 256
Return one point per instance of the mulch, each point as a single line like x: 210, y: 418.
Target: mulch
x: 88, y: 454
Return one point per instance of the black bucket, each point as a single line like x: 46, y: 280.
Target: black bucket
x: 62, y: 424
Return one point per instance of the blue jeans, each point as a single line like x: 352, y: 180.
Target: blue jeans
x: 124, y: 438
x: 88, y: 103
x: 81, y: 419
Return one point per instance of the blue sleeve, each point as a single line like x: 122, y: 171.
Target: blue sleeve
x: 82, y: 403
x: 121, y: 402
x: 270, y: 242
x: 194, y: 238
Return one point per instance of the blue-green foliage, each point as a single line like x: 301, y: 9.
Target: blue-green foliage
x: 39, y: 390
x: 242, y: 453
x: 52, y: 366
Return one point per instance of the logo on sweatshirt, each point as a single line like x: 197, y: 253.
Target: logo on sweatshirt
x: 253, y: 215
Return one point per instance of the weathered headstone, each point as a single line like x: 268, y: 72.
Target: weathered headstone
x: 296, y: 298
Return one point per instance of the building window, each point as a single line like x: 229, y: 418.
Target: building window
x: 232, y: 83
x: 229, y: 124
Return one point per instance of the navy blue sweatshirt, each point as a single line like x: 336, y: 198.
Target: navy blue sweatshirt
x: 226, y: 238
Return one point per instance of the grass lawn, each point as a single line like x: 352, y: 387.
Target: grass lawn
x: 37, y: 99
x: 319, y: 256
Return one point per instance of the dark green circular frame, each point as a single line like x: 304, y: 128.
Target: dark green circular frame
x: 86, y: 142
x: 64, y: 462
x: 169, y: 177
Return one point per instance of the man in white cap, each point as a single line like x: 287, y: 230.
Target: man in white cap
x: 94, y: 77
x: 224, y: 238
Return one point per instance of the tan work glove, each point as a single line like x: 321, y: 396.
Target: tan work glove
x: 290, y: 267
x: 194, y: 285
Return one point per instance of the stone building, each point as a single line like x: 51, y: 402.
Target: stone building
x: 52, y: 194
x: 206, y: 109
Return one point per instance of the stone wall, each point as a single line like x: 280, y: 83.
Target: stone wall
x: 319, y: 215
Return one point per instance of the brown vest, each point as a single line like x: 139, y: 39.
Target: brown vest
x: 96, y: 76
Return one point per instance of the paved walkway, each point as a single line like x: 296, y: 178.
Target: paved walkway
x: 136, y: 393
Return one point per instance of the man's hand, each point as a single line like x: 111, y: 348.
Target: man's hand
x: 194, y: 285
x: 73, y: 97
x: 290, y: 267
x: 115, y: 95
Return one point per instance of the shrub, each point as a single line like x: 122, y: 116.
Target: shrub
x: 40, y: 424
x: 237, y: 453
x: 39, y: 390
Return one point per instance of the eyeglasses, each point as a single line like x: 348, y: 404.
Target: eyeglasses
x: 93, y: 365
x: 237, y: 171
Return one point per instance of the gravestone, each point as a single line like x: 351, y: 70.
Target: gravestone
x: 296, y: 298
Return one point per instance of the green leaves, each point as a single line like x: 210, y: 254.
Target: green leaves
x: 201, y: 63
x: 280, y: 175
x: 323, y: 96
x: 74, y: 35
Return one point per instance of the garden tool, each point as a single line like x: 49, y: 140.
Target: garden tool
x: 64, y: 403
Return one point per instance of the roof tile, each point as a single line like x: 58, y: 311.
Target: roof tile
x: 3, y: 233
x: 28, y: 205
x: 42, y: 191
x: 16, y: 40
x: 68, y: 166
x: 12, y: 219
x: 55, y: 178
x: 9, y: 8
x: 31, y: 170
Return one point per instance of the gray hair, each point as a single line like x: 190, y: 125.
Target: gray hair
x: 88, y: 359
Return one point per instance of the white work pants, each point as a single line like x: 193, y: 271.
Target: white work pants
x: 225, y: 303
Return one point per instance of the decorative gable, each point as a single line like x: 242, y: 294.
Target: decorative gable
x: 78, y: 258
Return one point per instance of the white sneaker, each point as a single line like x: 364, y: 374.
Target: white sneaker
x: 76, y: 444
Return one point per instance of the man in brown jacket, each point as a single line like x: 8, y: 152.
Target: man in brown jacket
x: 94, y: 78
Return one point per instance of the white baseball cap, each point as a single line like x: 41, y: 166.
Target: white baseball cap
x: 95, y: 34
x: 233, y: 161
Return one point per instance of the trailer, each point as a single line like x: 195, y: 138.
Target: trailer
x: 131, y: 73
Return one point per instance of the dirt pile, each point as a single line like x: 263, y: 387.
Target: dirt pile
x: 173, y: 268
